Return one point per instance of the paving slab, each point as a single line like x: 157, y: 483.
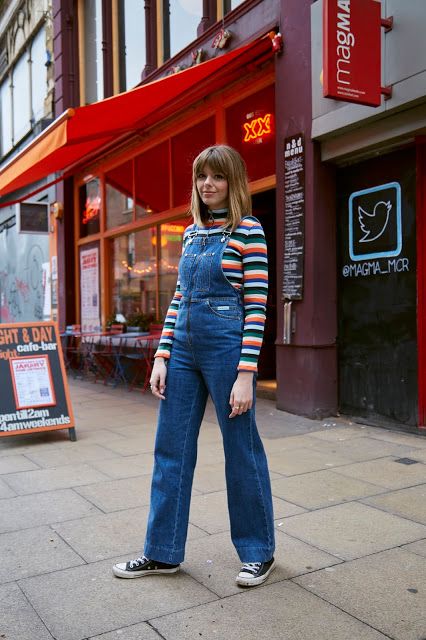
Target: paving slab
x: 18, y: 620
x: 353, y: 530
x: 116, y: 495
x: 143, y: 443
x: 72, y: 475
x: 409, y: 439
x: 417, y: 454
x: 108, y: 535
x: 24, y: 512
x: 409, y: 503
x: 276, y: 611
x: 16, y: 463
x: 417, y: 547
x: 360, y: 449
x: 211, y: 477
x: 342, y: 433
x: 298, y: 461
x: 213, y: 561
x: 322, y: 489
x: 141, y: 631
x: 209, y: 511
x: 386, y: 591
x: 18, y: 559
x: 386, y: 473
x: 91, y: 601
x: 5, y: 490
x: 74, y: 453
x: 125, y: 467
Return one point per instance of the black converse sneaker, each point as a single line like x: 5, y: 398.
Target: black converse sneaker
x: 254, y: 573
x: 142, y: 567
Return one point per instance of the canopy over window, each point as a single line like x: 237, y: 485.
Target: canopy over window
x: 81, y: 134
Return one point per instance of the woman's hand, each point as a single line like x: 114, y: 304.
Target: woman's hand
x: 241, y: 398
x: 158, y: 378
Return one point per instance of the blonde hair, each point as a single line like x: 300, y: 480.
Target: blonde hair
x: 225, y: 160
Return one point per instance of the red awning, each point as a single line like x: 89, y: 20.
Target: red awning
x: 81, y: 134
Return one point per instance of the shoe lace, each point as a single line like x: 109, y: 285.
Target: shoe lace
x: 137, y: 561
x: 250, y: 566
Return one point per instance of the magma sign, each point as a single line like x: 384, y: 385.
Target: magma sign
x: 352, y: 51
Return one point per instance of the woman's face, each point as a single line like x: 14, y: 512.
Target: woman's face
x: 212, y: 188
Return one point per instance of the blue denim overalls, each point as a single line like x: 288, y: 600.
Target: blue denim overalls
x: 204, y: 359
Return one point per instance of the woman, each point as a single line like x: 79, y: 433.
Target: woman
x: 210, y: 345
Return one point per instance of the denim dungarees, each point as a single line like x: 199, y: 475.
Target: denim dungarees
x: 204, y: 358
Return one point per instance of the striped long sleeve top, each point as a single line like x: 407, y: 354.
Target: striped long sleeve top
x: 245, y: 265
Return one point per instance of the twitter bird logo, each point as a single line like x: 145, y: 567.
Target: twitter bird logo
x: 374, y: 224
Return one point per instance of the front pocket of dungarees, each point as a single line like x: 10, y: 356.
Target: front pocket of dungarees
x: 230, y: 311
x: 185, y: 268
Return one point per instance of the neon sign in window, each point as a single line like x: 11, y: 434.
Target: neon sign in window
x: 257, y: 128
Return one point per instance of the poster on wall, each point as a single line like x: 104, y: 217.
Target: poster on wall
x: 294, y: 217
x: 35, y: 394
x: 89, y: 289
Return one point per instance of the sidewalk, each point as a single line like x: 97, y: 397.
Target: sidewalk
x: 350, y: 513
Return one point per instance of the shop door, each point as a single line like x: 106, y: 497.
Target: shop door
x: 264, y: 210
x: 377, y: 334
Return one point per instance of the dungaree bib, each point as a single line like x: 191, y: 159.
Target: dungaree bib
x: 204, y: 359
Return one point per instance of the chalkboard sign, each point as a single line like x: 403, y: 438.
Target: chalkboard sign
x: 294, y: 217
x: 34, y: 391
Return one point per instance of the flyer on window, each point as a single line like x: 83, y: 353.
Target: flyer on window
x: 32, y: 382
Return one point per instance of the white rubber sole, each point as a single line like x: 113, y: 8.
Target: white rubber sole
x: 254, y: 582
x: 122, y: 573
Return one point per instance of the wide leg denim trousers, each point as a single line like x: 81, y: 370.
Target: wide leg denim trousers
x: 204, y: 359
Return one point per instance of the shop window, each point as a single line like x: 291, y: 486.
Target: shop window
x: 152, y: 186
x: 250, y: 130
x: 185, y: 147
x: 171, y: 234
x: 134, y: 275
x: 90, y: 208
x: 93, y: 59
x: 180, y: 21
x: 132, y: 40
x: 119, y: 195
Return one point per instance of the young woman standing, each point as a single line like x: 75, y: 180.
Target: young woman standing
x: 210, y: 346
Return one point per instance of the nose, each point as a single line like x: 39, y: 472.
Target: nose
x: 208, y: 180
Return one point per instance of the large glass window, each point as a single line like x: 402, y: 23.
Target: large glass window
x: 93, y: 63
x: 132, y: 42
x: 171, y: 234
x: 181, y: 19
x: 6, y: 117
x: 38, y: 75
x: 21, y: 98
x: 134, y: 275
x: 250, y: 130
x: 228, y: 5
x: 185, y: 147
x: 119, y: 195
x: 90, y: 208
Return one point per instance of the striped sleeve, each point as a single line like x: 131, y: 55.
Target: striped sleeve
x: 255, y: 287
x: 166, y: 340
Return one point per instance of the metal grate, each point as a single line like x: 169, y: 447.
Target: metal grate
x: 407, y: 461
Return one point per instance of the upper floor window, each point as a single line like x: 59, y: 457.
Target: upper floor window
x: 229, y: 5
x: 180, y: 19
x: 132, y: 50
x: 22, y: 93
x: 93, y: 57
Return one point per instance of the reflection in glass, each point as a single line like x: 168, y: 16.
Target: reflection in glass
x: 171, y: 235
x: 38, y: 75
x: 6, y: 117
x: 21, y: 98
x: 134, y: 274
x: 132, y: 42
x: 181, y: 19
x: 152, y: 187
x: 119, y: 195
x: 93, y: 67
x: 90, y: 208
x: 228, y: 5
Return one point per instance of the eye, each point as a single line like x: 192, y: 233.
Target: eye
x: 201, y: 176
x: 219, y: 176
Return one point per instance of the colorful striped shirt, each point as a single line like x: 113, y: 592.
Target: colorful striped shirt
x: 245, y: 265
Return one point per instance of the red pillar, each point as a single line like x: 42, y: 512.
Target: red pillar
x: 306, y: 368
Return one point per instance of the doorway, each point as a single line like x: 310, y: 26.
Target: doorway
x: 264, y: 210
